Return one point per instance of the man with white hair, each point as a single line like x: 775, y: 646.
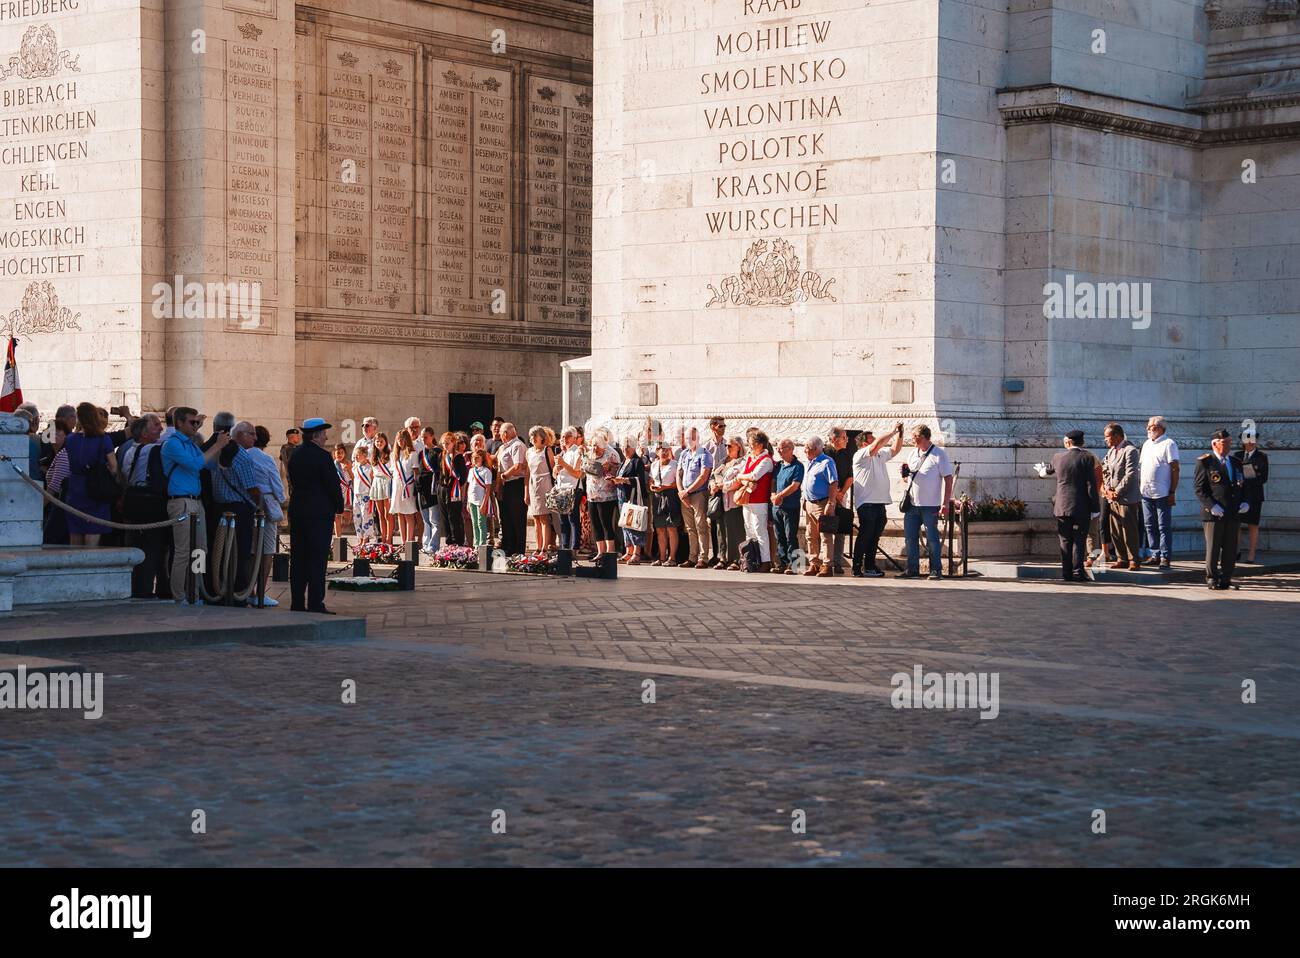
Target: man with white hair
x: 235, y: 490
x: 512, y: 468
x: 818, y: 489
x: 273, y: 499
x: 1159, y: 484
x: 694, y: 465
x: 369, y: 429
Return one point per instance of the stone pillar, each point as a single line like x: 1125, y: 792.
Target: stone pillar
x: 230, y: 206
x: 80, y: 95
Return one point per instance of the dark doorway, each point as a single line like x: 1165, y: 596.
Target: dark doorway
x: 465, y: 408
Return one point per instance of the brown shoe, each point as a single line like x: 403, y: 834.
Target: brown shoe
x: 765, y: 567
x: 814, y: 567
x: 701, y: 564
x: 1134, y: 566
x: 778, y: 569
x: 734, y: 567
x: 790, y: 572
x: 825, y: 572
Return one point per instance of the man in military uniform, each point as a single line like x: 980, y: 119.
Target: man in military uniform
x: 1219, y: 485
x: 317, y: 498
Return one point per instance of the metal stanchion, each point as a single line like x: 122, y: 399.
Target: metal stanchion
x: 191, y: 587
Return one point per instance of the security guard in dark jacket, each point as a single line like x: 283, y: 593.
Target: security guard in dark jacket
x: 317, y: 498
x: 1220, y: 487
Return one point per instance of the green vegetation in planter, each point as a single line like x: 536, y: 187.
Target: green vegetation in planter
x: 989, y: 509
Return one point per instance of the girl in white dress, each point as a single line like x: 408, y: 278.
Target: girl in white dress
x: 402, y: 505
x: 363, y: 513
x: 381, y: 488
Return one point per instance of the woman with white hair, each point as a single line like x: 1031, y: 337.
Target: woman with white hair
x: 541, y: 479
x: 600, y: 465
x: 568, y: 475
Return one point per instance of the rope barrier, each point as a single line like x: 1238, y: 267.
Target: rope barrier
x: 86, y: 517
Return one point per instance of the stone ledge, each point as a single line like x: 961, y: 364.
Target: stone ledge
x: 140, y: 624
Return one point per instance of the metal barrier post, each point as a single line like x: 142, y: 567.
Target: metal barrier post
x: 191, y: 586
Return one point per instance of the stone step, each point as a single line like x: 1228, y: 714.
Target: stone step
x: 138, y: 624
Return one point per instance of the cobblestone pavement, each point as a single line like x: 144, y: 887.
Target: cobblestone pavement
x: 480, y: 693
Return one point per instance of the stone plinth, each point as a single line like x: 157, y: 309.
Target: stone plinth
x: 31, y: 573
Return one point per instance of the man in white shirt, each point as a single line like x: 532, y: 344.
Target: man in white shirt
x: 871, y: 490
x: 929, y: 476
x: 1158, y: 487
x: 512, y: 469
x: 369, y: 429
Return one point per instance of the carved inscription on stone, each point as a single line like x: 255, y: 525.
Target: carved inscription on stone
x: 470, y: 112
x: 370, y: 136
x: 251, y: 168
x: 558, y: 208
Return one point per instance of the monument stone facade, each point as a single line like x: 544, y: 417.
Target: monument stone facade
x: 1004, y: 218
x: 290, y: 209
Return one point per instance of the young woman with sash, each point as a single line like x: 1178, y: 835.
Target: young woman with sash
x: 401, y: 505
x: 381, y: 489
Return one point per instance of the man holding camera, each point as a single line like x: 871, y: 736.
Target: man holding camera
x: 929, y: 487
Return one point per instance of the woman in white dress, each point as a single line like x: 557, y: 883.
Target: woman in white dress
x: 541, y: 472
x: 381, y: 487
x: 401, y: 504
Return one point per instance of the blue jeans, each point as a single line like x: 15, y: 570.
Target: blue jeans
x: 787, y: 534
x: 571, y: 526
x: 1157, y: 516
x: 929, y: 515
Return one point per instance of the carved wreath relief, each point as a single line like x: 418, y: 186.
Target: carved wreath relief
x: 770, y: 276
x: 39, y: 56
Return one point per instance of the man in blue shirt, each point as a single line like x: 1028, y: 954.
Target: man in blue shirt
x: 820, y: 484
x: 693, y: 467
x: 785, y: 506
x: 182, y: 462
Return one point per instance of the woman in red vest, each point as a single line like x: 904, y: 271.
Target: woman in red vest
x: 755, y: 495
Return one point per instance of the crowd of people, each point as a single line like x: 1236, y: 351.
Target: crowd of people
x: 697, y: 501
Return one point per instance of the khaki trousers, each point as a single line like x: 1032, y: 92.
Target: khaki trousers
x: 181, y: 545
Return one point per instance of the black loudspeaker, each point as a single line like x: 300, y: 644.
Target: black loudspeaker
x: 484, y: 558
x: 280, y: 567
x: 564, y: 562
x: 405, y: 576
x: 361, y: 567
x: 339, y: 549
x: 606, y: 567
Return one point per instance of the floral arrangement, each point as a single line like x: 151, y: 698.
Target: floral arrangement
x: 989, y: 509
x: 456, y: 557
x: 364, y: 583
x: 380, y: 552
x: 532, y: 564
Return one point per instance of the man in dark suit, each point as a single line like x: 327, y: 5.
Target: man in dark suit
x: 1220, y: 487
x: 1076, y: 502
x: 317, y: 498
